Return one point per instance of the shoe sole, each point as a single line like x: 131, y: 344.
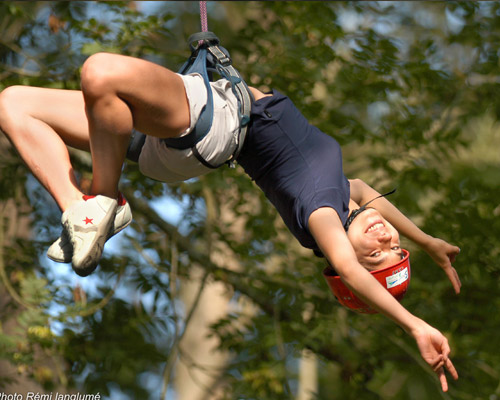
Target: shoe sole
x: 67, y: 255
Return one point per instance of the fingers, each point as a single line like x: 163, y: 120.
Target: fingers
x: 435, y: 350
x: 441, y: 374
x: 452, y: 257
x: 457, y: 280
x: 443, y: 363
x: 452, y: 272
x: 453, y: 254
x: 438, y: 363
x: 451, y: 369
x: 445, y: 348
x: 442, y: 379
x: 454, y: 279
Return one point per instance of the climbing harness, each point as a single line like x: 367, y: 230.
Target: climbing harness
x: 207, y: 57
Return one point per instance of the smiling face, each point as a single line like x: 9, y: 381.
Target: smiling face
x: 375, y: 241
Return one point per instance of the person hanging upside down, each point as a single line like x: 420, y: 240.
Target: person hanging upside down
x: 298, y: 167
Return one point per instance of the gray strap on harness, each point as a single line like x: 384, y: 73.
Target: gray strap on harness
x: 240, y: 89
x: 208, y: 57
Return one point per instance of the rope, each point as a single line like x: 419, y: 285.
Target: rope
x: 203, y: 16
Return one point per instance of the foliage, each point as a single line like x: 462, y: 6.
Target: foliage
x: 409, y: 90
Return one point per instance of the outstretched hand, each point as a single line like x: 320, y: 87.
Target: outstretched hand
x: 435, y: 350
x: 444, y: 254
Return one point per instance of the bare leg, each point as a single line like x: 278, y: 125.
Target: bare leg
x: 118, y: 93
x: 40, y: 123
x: 121, y: 93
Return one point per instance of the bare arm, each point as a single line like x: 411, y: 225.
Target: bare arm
x: 441, y: 252
x: 327, y: 229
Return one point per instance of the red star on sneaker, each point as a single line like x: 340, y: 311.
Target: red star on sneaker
x: 88, y: 220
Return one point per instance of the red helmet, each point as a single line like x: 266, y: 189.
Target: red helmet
x: 395, y: 278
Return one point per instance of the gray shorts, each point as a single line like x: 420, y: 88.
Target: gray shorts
x: 166, y: 164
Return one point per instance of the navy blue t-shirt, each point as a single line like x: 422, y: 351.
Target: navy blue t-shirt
x: 298, y: 167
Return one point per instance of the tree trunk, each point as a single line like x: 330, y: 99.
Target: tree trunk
x: 22, y: 377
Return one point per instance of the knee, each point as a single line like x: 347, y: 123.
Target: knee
x: 11, y: 100
x: 99, y: 72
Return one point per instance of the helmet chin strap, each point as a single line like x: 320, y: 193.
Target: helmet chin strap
x: 355, y: 213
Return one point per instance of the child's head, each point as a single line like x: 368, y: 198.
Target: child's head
x: 374, y: 239
x: 395, y: 278
x: 376, y: 244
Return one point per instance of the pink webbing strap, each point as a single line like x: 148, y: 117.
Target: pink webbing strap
x: 203, y: 16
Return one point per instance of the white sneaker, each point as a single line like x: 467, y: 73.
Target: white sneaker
x: 88, y: 224
x: 62, y: 250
